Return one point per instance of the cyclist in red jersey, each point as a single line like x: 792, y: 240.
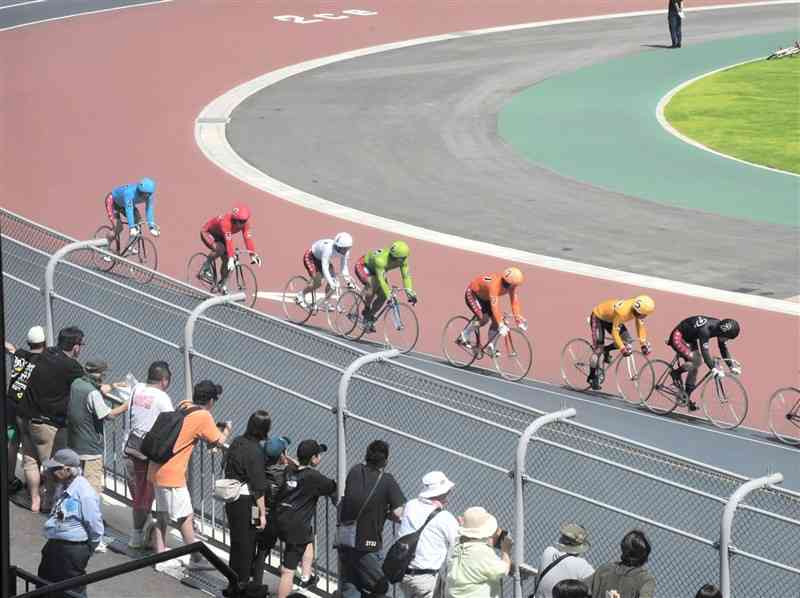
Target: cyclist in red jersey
x: 217, y: 235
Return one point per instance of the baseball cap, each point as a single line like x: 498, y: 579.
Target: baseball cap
x: 36, y: 335
x: 309, y: 448
x: 275, y: 446
x: 63, y: 458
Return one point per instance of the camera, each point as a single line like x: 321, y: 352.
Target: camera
x: 501, y: 536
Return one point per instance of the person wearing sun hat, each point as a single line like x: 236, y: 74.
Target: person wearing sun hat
x: 475, y: 570
x: 563, y: 561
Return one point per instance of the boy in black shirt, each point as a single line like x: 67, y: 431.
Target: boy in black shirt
x: 297, y: 503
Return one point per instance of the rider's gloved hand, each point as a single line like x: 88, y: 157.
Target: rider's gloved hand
x: 502, y: 330
x: 627, y: 351
x: 154, y: 230
x: 522, y: 323
x: 736, y: 370
x: 231, y: 264
x: 134, y: 232
x: 717, y: 372
x: 647, y: 348
x: 255, y: 259
x: 411, y: 296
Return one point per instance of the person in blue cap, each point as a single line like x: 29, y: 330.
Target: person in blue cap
x: 123, y: 201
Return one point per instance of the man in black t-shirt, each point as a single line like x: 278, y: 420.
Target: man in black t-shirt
x: 42, y: 413
x: 297, y: 503
x: 371, y: 496
x: 675, y: 20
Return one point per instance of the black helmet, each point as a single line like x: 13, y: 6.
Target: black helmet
x: 729, y: 328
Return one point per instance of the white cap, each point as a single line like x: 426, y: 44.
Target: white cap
x: 36, y: 335
x: 435, y: 483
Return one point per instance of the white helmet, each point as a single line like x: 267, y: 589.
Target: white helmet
x: 343, y: 241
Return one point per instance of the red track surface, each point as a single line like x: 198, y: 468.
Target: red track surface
x: 95, y: 101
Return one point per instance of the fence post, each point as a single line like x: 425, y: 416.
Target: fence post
x: 188, y: 335
x: 49, y: 274
x: 519, y: 503
x: 727, y: 523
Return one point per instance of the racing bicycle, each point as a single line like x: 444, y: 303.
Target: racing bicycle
x: 397, y: 319
x: 139, y: 254
x: 724, y: 399
x: 243, y: 279
x: 784, y: 415
x: 301, y: 302
x: 512, y: 354
x: 634, y: 372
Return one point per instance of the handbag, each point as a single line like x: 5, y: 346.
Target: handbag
x: 227, y: 490
x: 346, y: 530
x: 133, y: 446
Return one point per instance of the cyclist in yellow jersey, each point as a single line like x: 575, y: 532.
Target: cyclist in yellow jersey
x: 610, y: 316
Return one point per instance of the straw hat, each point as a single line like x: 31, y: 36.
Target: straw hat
x: 478, y: 524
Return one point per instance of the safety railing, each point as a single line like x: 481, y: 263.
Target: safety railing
x: 578, y: 472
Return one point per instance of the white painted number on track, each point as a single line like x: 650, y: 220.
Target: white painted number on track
x: 325, y: 16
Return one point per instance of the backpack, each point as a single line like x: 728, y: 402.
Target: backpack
x: 402, y: 552
x: 276, y: 476
x: 159, y: 443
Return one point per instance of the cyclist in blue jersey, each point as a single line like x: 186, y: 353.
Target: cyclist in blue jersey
x: 123, y: 200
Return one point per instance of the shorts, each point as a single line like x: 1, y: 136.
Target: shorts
x: 93, y: 472
x: 477, y: 306
x: 39, y: 442
x: 174, y: 501
x: 215, y: 245
x: 314, y: 266
x: 292, y: 555
x: 141, y: 488
x: 681, y: 348
x: 362, y: 272
x: 115, y: 212
x: 600, y: 327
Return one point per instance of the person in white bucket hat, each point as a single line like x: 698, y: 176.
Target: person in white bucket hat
x: 475, y: 569
x: 436, y: 540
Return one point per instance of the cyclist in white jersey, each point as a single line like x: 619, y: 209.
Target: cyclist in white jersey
x: 317, y: 262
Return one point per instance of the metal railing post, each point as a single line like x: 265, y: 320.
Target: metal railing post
x: 727, y: 524
x: 49, y: 275
x: 188, y: 334
x: 519, y: 501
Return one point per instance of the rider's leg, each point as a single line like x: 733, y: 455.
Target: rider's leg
x: 314, y: 273
x: 598, y: 332
x: 479, y: 319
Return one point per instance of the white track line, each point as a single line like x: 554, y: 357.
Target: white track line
x: 212, y: 140
x: 662, y: 120
x: 21, y: 4
x: 83, y: 14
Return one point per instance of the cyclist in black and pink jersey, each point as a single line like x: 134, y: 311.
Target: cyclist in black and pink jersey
x: 690, y: 340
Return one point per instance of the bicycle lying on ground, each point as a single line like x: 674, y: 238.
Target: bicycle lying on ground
x: 512, y: 354
x: 301, y: 302
x: 723, y: 399
x: 784, y: 415
x: 634, y: 373
x: 141, y: 253
x: 243, y: 280
x: 398, y: 320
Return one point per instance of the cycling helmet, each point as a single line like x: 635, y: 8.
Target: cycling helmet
x: 399, y: 250
x: 343, y: 241
x: 146, y: 185
x: 513, y: 277
x: 729, y: 328
x: 240, y: 212
x: 644, y: 305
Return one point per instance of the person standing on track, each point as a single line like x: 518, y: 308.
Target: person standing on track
x: 123, y: 200
x: 217, y: 235
x: 371, y: 271
x: 690, y: 341
x: 610, y: 316
x: 675, y: 21
x: 317, y: 262
x: 483, y: 299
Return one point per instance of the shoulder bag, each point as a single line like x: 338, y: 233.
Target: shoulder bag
x: 346, y: 530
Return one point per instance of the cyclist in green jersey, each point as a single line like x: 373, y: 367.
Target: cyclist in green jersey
x: 371, y: 270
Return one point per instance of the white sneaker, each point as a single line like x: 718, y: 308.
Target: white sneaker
x: 101, y: 547
x: 136, y: 539
x: 170, y: 565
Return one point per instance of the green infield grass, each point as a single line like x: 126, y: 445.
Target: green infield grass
x: 751, y: 112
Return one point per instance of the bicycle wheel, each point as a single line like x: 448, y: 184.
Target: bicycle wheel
x: 400, y: 327
x: 142, y: 261
x: 513, y: 355
x: 664, y: 396
x: 193, y: 267
x: 297, y: 305
x: 104, y: 262
x: 348, y: 315
x: 576, y: 359
x: 635, y: 377
x: 243, y: 280
x: 724, y: 401
x: 784, y: 415
x: 458, y: 354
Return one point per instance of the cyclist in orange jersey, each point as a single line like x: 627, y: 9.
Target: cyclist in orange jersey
x: 482, y: 296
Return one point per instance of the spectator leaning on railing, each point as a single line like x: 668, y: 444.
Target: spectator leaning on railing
x: 75, y: 526
x: 563, y: 561
x: 86, y: 413
x: 244, y: 462
x: 628, y: 577
x: 147, y: 400
x: 22, y: 366
x: 43, y: 410
x: 172, y: 495
x: 371, y: 496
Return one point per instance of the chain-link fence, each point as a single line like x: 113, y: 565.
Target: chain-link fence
x: 574, y: 472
